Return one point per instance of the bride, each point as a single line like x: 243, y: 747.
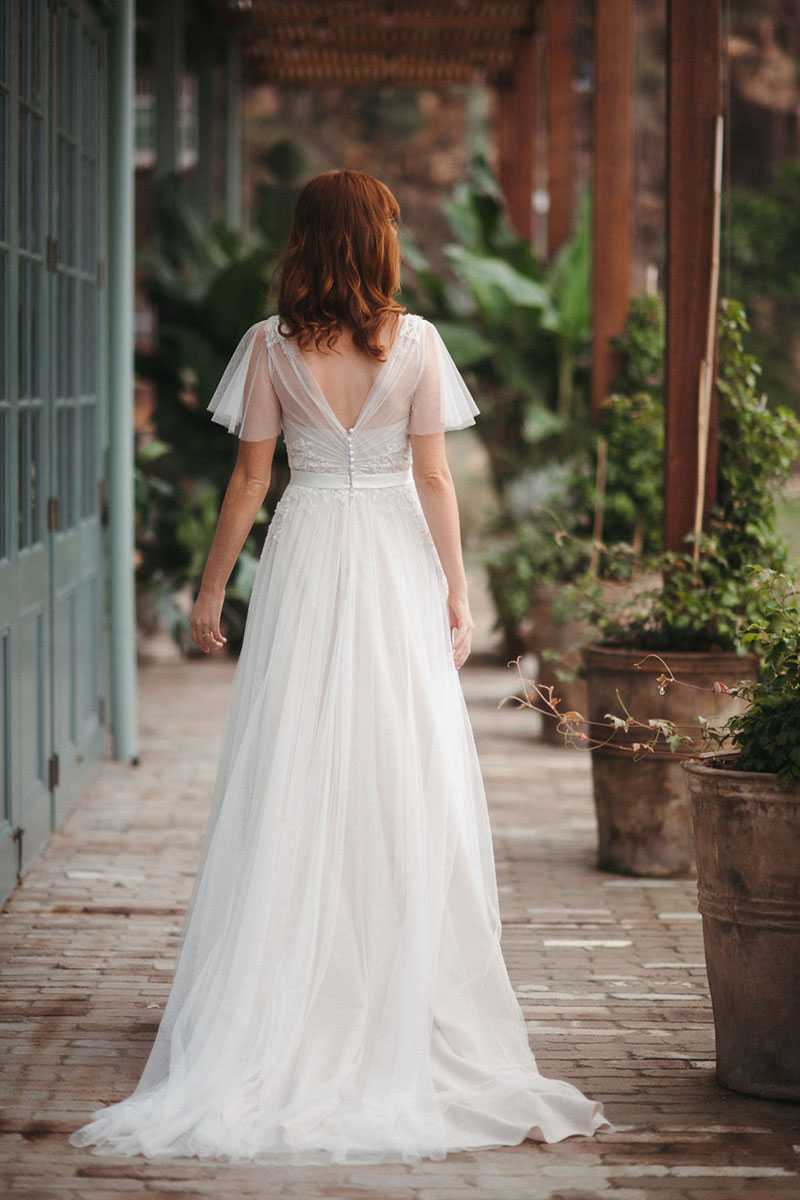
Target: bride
x: 340, y: 993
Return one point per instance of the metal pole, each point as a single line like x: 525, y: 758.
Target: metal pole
x: 122, y: 642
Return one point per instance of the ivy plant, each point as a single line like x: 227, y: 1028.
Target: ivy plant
x: 707, y: 601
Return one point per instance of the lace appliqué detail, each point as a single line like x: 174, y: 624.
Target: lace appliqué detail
x: 396, y: 458
x: 273, y: 337
x: 410, y: 328
x: 394, y: 454
x: 304, y: 457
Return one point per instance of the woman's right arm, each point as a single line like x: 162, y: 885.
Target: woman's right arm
x: 437, y: 499
x: 244, y: 496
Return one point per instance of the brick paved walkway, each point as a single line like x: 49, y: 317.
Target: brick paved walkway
x: 609, y: 971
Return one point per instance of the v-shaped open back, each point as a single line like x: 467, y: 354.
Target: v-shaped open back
x: 269, y: 387
x: 382, y: 370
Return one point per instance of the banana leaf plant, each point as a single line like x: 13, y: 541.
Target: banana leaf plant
x: 519, y: 328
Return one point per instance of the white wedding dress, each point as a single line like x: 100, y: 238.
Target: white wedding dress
x: 340, y: 994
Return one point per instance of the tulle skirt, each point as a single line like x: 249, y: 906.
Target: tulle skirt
x: 340, y: 994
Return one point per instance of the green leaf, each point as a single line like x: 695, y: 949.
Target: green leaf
x: 480, y: 271
x: 464, y: 342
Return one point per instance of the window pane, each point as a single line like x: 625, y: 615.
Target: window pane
x: 5, y: 33
x: 5, y: 318
x: 65, y: 379
x: 32, y: 32
x: 89, y: 464
x: 31, y: 498
x: 67, y: 473
x: 88, y: 338
x: 90, y: 216
x: 4, y: 180
x: 5, y: 476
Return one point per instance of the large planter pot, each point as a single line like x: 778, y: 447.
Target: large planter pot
x: 747, y: 837
x: 643, y: 811
x: 544, y: 632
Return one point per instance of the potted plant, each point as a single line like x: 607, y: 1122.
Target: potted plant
x: 745, y: 811
x: 746, y: 819
x: 695, y: 617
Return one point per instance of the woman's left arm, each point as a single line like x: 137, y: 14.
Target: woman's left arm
x: 244, y: 496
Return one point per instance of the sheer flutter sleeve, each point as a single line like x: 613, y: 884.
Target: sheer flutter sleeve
x: 244, y: 400
x: 441, y: 400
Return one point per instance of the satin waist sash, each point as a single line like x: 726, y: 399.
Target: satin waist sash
x: 327, y: 479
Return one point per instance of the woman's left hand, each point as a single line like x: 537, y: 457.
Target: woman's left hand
x: 462, y: 626
x: 205, y: 618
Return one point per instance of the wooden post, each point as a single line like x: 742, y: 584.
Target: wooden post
x: 613, y: 185
x: 693, y: 105
x: 517, y: 136
x: 560, y: 121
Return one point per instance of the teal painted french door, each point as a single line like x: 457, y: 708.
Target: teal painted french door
x: 52, y: 431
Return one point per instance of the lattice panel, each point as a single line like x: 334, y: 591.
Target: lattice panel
x: 356, y: 43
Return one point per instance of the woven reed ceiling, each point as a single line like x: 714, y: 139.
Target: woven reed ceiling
x: 364, y: 43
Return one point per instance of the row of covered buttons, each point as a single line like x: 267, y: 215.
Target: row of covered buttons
x: 350, y: 454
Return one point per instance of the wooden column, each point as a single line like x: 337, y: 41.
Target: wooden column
x: 612, y: 199
x: 693, y: 103
x: 560, y: 32
x: 517, y: 136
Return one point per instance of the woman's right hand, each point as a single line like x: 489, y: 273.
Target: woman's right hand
x: 205, y: 618
x: 462, y: 625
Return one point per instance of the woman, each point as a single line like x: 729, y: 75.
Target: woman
x: 340, y: 993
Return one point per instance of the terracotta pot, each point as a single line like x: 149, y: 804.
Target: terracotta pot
x: 643, y: 810
x: 544, y: 632
x: 747, y: 834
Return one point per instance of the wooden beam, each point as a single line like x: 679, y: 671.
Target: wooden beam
x: 264, y: 16
x: 517, y: 136
x: 613, y: 185
x: 395, y: 64
x: 360, y: 71
x: 694, y: 100
x: 560, y: 34
x: 372, y: 38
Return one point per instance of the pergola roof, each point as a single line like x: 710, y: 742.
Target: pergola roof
x: 364, y: 43
x: 435, y: 43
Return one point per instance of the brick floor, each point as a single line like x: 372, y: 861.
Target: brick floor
x: 609, y: 972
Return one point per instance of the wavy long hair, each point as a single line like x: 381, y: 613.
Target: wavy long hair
x: 341, y: 266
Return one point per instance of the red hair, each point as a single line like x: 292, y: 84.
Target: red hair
x: 341, y: 265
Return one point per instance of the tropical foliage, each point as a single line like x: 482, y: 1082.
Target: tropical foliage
x: 206, y: 285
